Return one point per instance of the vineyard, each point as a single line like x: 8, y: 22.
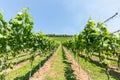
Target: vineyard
x: 93, y: 54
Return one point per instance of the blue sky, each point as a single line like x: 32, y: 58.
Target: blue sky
x: 64, y: 16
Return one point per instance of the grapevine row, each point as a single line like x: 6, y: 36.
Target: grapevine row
x: 95, y: 38
x: 16, y: 36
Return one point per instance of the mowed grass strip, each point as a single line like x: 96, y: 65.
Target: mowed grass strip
x: 60, y: 69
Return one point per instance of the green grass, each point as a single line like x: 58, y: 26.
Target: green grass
x: 95, y: 70
x: 60, y: 39
x: 60, y: 70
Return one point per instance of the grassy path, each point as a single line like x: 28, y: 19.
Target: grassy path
x: 60, y: 69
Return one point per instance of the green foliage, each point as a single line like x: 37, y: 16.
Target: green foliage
x: 16, y: 36
x: 95, y: 39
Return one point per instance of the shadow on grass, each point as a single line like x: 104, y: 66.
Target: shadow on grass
x: 34, y: 69
x: 113, y: 73
x: 68, y: 71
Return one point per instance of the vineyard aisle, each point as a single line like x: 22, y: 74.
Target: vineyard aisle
x: 56, y: 68
x: 43, y: 71
x: 78, y: 71
x: 61, y: 66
